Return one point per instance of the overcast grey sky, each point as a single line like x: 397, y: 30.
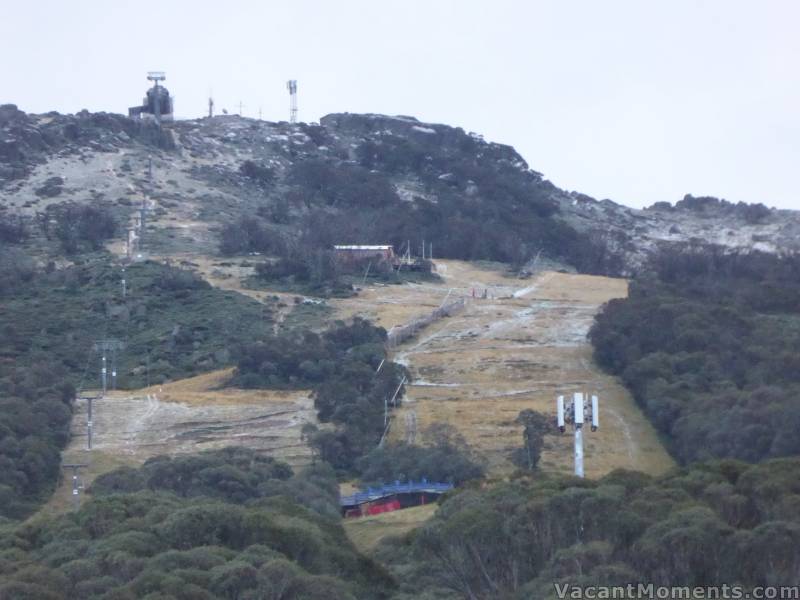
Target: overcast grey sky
x: 637, y: 101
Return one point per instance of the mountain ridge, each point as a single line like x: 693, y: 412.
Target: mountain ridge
x: 207, y: 172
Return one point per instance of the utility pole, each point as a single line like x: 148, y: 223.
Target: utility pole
x: 575, y: 413
x: 397, y: 391
x: 114, y: 369
x: 145, y: 207
x: 240, y: 108
x: 76, y: 486
x: 106, y: 346
x: 366, y: 272
x: 89, y: 420
x: 411, y: 427
x: 386, y: 403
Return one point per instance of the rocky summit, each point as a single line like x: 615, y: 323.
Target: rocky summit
x: 377, y: 178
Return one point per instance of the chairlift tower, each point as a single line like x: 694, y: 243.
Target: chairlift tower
x: 104, y: 347
x: 291, y: 85
x: 576, y: 413
x: 89, y: 421
x: 77, y: 484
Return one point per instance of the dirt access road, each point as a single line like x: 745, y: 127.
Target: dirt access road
x: 518, y: 348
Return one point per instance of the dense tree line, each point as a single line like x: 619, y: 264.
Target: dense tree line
x: 709, y: 344
x: 445, y: 457
x: 339, y: 365
x: 218, y: 525
x: 172, y: 323
x: 720, y: 522
x: 477, y: 212
x: 304, y: 263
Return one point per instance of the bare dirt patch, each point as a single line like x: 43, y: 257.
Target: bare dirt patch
x: 185, y: 416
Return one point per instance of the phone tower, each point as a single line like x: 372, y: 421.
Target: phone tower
x: 291, y: 85
x: 576, y: 413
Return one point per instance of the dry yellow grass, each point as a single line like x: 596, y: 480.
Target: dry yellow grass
x: 517, y: 350
x: 367, y: 532
x: 211, y: 388
x: 477, y: 370
x: 391, y: 305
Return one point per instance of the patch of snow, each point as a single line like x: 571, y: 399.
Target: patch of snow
x: 423, y: 129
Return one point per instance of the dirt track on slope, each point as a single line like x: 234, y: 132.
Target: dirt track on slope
x: 518, y: 348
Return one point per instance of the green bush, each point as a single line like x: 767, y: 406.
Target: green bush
x: 709, y: 348
x: 446, y: 459
x: 707, y: 524
x: 340, y: 366
x: 195, y: 541
x: 172, y: 323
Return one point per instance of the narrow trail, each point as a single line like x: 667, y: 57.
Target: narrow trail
x: 476, y: 370
x: 517, y: 349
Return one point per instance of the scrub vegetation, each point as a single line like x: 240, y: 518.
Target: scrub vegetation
x: 709, y: 344
x: 227, y: 524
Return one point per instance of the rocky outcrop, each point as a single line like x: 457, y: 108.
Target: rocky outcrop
x: 27, y: 140
x: 209, y: 171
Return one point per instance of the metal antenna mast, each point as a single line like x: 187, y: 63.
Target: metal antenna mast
x: 210, y: 107
x: 291, y: 85
x: 575, y: 413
